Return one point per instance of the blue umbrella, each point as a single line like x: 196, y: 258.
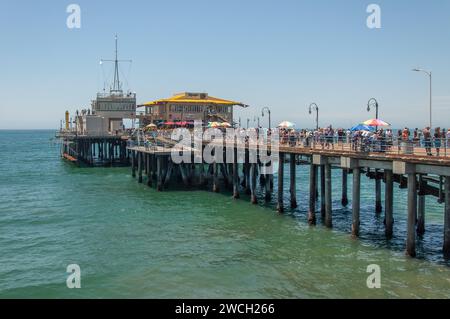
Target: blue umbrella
x: 362, y: 127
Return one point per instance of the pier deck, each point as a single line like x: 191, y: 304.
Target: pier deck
x: 422, y: 175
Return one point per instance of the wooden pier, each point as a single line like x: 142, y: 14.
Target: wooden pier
x: 95, y: 150
x: 422, y: 176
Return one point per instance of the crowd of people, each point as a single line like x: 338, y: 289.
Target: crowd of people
x: 377, y: 140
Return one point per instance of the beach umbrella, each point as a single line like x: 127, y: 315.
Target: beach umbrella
x: 362, y: 127
x: 225, y: 124
x: 376, y: 122
x: 286, y: 124
x: 214, y: 124
x: 151, y: 126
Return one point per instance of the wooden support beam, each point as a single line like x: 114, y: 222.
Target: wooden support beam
x: 149, y: 170
x: 356, y: 201
x: 168, y: 173
x: 322, y: 191
x: 446, y: 246
x: 235, y: 175
x: 292, y: 188
x: 421, y: 208
x: 280, y: 206
x: 412, y: 211
x: 184, y: 175
x: 216, y: 177
x: 253, y: 173
x: 139, y: 167
x: 328, y: 202
x: 159, y: 174
x: 312, y: 194
x: 344, y: 200
x: 378, y: 206
x: 389, y: 204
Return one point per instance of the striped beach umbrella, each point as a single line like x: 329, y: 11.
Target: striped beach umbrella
x: 376, y: 122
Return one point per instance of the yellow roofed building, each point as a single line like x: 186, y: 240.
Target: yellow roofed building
x: 186, y: 107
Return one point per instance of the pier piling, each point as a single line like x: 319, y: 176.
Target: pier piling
x: 215, y: 177
x: 412, y: 211
x: 389, y: 204
x: 139, y: 160
x: 356, y: 197
x: 280, y: 207
x: 235, y: 175
x: 253, y: 172
x: 344, y: 200
x: 312, y: 194
x: 328, y: 202
x: 446, y: 247
x: 133, y: 163
x: 378, y: 206
x: 322, y: 191
x: 292, y: 188
x: 421, y: 207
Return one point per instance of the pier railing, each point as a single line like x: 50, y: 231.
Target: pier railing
x: 435, y: 147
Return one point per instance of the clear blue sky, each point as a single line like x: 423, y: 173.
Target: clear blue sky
x: 281, y: 54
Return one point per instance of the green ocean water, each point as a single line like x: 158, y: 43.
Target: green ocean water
x: 133, y: 242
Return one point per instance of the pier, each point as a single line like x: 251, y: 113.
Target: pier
x: 107, y: 150
x: 421, y: 175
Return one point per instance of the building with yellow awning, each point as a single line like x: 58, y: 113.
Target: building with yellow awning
x: 189, y: 106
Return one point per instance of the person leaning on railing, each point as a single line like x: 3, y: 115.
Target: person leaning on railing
x: 427, y: 140
x: 437, y: 140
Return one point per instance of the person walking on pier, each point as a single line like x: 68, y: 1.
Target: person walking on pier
x: 427, y: 140
x: 437, y: 140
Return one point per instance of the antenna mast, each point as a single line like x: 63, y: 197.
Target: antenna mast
x: 116, y: 83
x: 116, y: 87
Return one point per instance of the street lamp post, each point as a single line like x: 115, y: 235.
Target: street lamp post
x: 313, y: 106
x: 430, y: 77
x: 268, y: 111
x: 256, y: 119
x: 248, y: 123
x: 373, y: 103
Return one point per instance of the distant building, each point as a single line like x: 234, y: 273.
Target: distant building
x: 188, y: 107
x: 108, y: 109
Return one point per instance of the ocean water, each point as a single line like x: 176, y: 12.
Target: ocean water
x: 133, y: 242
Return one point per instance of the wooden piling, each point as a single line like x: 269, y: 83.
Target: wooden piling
x: 149, y: 170
x: 412, y: 210
x: 312, y: 194
x: 328, y: 203
x: 378, y: 207
x: 356, y: 201
x: 389, y: 204
x: 133, y: 163
x: 322, y: 191
x: 235, y: 175
x: 280, y: 206
x: 292, y: 188
x: 139, y: 167
x: 159, y: 174
x: 215, y: 177
x: 446, y: 246
x: 253, y: 173
x: 344, y: 200
x: 421, y: 208
x: 268, y: 179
